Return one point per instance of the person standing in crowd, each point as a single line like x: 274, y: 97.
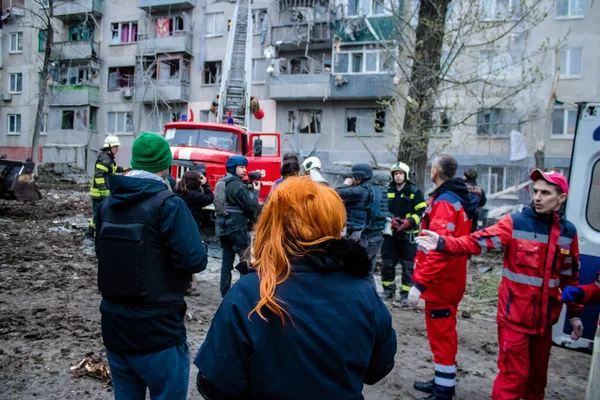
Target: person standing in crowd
x: 541, y: 256
x: 305, y: 324
x: 406, y: 204
x: 148, y: 247
x: 194, y: 189
x: 312, y: 167
x: 105, y: 166
x: 290, y: 166
x: 441, y: 280
x: 366, y: 211
x: 470, y: 178
x: 236, y: 205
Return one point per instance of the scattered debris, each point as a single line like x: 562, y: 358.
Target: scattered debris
x: 466, y: 314
x: 94, y: 368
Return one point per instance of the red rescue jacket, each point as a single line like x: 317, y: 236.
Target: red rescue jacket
x: 442, y: 279
x: 541, y: 257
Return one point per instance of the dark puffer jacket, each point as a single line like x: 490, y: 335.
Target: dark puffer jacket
x: 196, y: 200
x: 340, y: 335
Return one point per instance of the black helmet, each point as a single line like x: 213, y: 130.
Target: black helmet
x: 362, y: 171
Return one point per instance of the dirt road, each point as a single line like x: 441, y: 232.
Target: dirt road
x: 49, y: 318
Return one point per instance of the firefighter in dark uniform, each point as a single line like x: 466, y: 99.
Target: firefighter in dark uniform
x: 105, y: 166
x: 406, y: 204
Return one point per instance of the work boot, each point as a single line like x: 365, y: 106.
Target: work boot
x: 426, y: 387
x: 404, y: 300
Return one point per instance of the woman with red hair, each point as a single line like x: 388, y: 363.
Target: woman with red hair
x: 306, y: 323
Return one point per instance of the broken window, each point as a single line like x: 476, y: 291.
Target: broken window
x: 166, y: 26
x: 124, y: 32
x: 365, y: 121
x: 368, y: 59
x: 119, y: 123
x: 79, y: 32
x: 93, y: 118
x: 496, y: 121
x: 379, y: 7
x: 259, y: 17
x: 299, y: 66
x: 212, y: 73
x: 170, y: 70
x: 305, y: 120
x: 68, y: 119
x: 441, y: 122
x: 120, y: 77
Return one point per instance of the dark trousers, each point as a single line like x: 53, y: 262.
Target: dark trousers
x: 91, y: 230
x: 395, y: 250
x: 372, y: 244
x: 165, y: 373
x: 232, y: 244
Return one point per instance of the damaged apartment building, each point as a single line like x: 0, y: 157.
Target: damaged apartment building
x: 322, y: 71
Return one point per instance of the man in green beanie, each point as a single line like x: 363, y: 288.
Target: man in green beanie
x: 148, y: 247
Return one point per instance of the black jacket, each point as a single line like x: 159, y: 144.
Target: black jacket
x: 358, y: 201
x: 147, y: 246
x: 105, y: 166
x: 406, y: 203
x: 196, y: 200
x: 340, y: 335
x: 245, y: 200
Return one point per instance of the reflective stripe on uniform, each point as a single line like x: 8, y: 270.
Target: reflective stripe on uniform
x: 457, y: 206
x: 568, y: 260
x: 114, y: 169
x: 405, y: 288
x: 536, y: 237
x: 566, y: 272
x: 99, y: 181
x: 445, y: 375
x: 565, y: 241
x: 391, y: 195
x: 412, y: 196
x: 101, y: 167
x: 496, y: 241
x: 451, y: 227
x: 420, y: 205
x: 448, y: 369
x: 387, y: 283
x: 528, y: 280
x: 416, y: 218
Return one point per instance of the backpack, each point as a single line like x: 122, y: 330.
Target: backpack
x: 221, y: 195
x: 375, y: 209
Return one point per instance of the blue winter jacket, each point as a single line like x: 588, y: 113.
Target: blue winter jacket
x: 340, y: 335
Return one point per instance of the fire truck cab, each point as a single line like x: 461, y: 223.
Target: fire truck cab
x: 206, y: 147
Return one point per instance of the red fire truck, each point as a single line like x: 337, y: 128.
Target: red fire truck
x: 206, y: 146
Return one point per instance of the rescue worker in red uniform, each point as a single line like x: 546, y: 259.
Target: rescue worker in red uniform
x: 541, y: 256
x: 439, y: 279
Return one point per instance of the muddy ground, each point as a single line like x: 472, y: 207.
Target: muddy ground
x: 49, y: 318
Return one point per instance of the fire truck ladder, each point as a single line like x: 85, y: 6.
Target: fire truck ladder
x: 237, y: 71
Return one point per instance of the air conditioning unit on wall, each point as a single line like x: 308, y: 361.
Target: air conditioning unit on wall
x: 126, y: 93
x: 6, y: 96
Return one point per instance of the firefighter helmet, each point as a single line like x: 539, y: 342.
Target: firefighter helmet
x: 111, y: 141
x: 311, y: 162
x: 400, y: 166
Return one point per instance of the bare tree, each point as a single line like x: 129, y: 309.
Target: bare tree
x: 441, y: 67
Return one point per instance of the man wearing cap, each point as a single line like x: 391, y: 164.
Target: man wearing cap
x: 148, y: 247
x: 236, y: 205
x: 541, y: 257
x: 105, y: 166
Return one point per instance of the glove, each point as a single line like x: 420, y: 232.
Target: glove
x: 400, y: 224
x: 413, y: 296
x: 577, y: 328
x: 571, y: 293
x: 405, y: 225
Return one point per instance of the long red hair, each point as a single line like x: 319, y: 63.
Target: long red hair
x: 299, y: 215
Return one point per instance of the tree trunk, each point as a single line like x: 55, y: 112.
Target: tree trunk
x: 423, y: 84
x: 42, y: 86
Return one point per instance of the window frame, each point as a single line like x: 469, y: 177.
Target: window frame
x: 564, y: 74
x: 436, y: 129
x: 114, y: 130
x: 62, y: 120
x: 564, y: 134
x: 502, y: 122
x: 569, y: 15
x: 44, y: 127
x: 119, y: 26
x: 117, y: 69
x: 256, y: 12
x: 292, y: 127
x: 213, y: 32
x: 42, y: 37
x: 361, y: 111
x: 505, y: 171
x: 19, y: 40
x: 363, y: 53
x: 18, y: 122
x: 15, y: 90
x: 219, y: 77
x: 511, y: 16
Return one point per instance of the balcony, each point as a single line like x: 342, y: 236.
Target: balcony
x: 68, y: 10
x: 165, y: 5
x: 299, y: 87
x: 168, y: 90
x: 361, y: 86
x: 292, y: 36
x: 76, y: 50
x: 76, y: 95
x: 181, y: 43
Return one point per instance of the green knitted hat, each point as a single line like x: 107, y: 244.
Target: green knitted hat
x: 151, y: 152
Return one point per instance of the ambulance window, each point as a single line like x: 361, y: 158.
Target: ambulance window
x: 593, y: 211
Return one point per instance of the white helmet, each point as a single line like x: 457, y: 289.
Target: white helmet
x: 111, y: 141
x: 311, y: 162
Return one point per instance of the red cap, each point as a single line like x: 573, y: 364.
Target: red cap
x: 552, y: 177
